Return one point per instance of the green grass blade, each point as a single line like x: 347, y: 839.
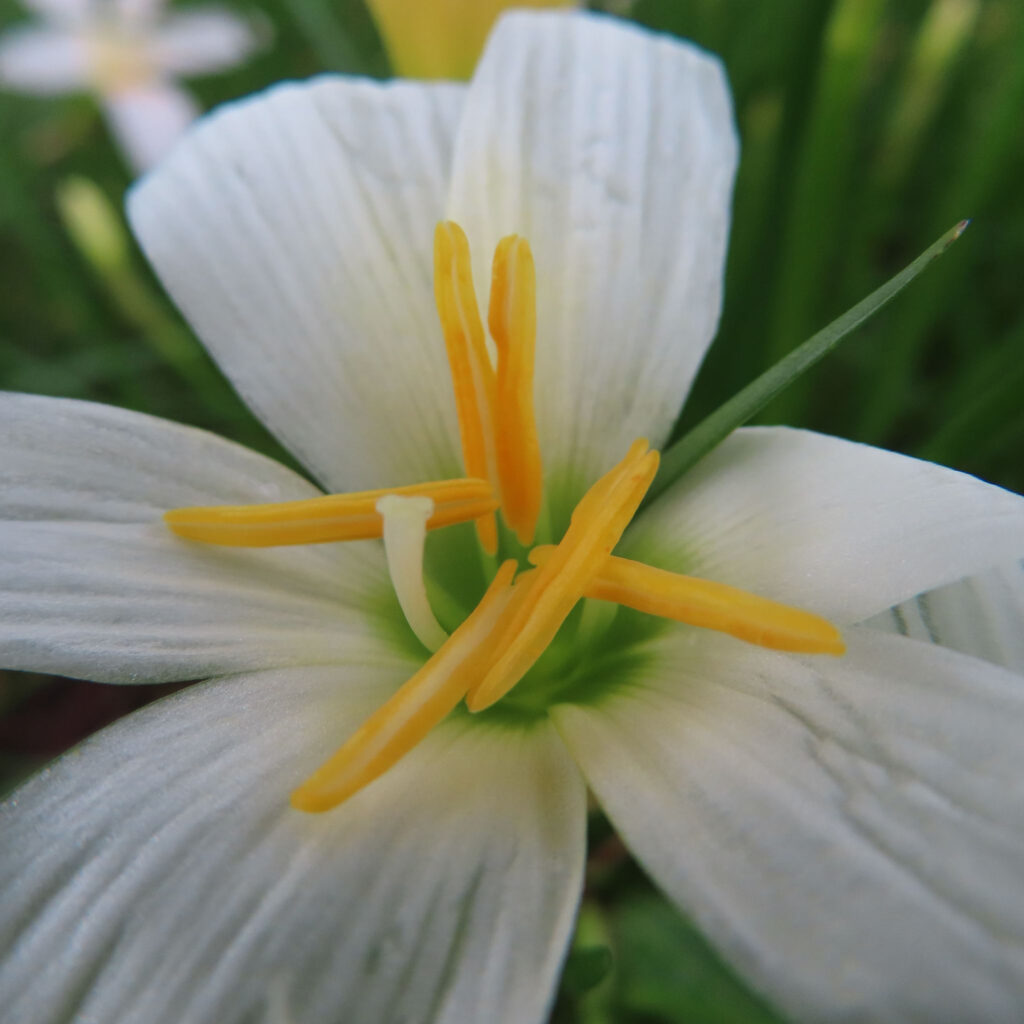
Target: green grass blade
x: 711, y: 431
x: 986, y: 148
x: 326, y: 33
x: 825, y: 171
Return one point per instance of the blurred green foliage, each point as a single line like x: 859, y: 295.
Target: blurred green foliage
x: 868, y: 128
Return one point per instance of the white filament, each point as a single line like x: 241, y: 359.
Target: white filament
x: 405, y: 531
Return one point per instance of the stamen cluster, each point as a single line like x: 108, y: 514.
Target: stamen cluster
x: 520, y: 613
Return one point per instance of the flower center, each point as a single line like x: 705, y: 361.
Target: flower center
x: 118, y: 59
x: 521, y: 613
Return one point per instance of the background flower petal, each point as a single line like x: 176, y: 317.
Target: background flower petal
x: 147, y: 120
x: 847, y: 831
x: 295, y: 232
x: 613, y: 151
x: 158, y: 873
x: 68, y: 13
x: 92, y: 584
x: 143, y: 13
x: 981, y: 615
x: 842, y: 529
x: 42, y: 60
x: 202, y: 41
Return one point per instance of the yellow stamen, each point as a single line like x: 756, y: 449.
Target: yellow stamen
x: 333, y: 517
x: 396, y: 727
x: 597, y: 523
x: 512, y: 318
x: 473, y: 376
x: 708, y: 604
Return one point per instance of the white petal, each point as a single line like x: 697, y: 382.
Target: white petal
x: 202, y: 41
x: 93, y: 584
x: 613, y: 151
x: 44, y: 61
x: 148, y: 120
x: 982, y: 616
x: 144, y: 14
x: 839, y: 528
x: 158, y: 875
x: 847, y: 831
x: 295, y: 232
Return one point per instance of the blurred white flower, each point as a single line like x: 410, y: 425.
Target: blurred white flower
x: 129, y: 53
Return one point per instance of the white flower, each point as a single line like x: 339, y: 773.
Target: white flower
x: 128, y: 53
x: 847, y: 831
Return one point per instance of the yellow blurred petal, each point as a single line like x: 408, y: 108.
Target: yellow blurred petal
x: 441, y: 38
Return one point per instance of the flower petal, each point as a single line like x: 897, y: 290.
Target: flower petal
x: 147, y: 120
x: 93, y: 584
x: 295, y: 232
x: 158, y: 873
x: 842, y: 529
x: 66, y: 13
x: 43, y: 61
x: 613, y: 151
x: 202, y: 41
x: 847, y: 831
x: 982, y: 616
x: 141, y: 14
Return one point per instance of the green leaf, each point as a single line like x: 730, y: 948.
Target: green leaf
x: 667, y: 973
x: 585, y: 968
x: 714, y: 429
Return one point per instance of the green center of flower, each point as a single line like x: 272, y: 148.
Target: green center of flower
x: 531, y: 640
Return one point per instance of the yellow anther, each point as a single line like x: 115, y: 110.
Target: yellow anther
x: 512, y: 318
x: 333, y: 517
x: 396, y: 727
x: 711, y: 605
x: 597, y: 523
x: 473, y: 378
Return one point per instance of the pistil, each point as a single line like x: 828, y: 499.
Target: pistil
x: 405, y: 532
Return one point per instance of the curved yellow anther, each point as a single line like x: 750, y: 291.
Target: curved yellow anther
x: 708, y: 604
x: 512, y: 319
x: 333, y: 517
x: 396, y: 727
x: 473, y: 378
x: 597, y: 523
